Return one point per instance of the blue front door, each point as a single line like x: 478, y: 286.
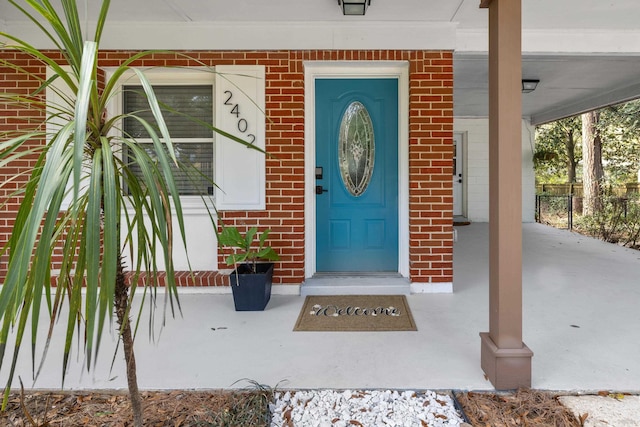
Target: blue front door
x: 356, y: 175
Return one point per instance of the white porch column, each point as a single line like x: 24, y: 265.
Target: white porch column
x: 505, y: 359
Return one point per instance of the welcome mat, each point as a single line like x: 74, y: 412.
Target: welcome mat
x: 355, y: 313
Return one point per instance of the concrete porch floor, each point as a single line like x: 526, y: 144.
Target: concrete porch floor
x: 581, y: 319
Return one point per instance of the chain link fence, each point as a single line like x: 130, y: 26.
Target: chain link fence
x: 617, y: 221
x: 556, y: 210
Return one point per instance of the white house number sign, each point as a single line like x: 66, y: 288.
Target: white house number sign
x: 240, y: 171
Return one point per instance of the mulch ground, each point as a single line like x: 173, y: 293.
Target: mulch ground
x: 175, y: 409
x: 525, y: 407
x: 250, y: 408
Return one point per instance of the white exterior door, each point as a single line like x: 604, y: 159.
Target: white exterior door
x: 457, y: 174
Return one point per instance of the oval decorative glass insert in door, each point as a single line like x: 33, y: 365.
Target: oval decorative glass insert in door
x: 356, y: 149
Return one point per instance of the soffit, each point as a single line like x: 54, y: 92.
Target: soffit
x: 585, y: 52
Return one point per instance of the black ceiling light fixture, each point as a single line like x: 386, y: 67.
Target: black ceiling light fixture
x: 529, y: 85
x: 354, y: 7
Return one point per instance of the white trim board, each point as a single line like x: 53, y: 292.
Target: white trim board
x: 357, y: 69
x: 284, y: 35
x: 222, y: 290
x: 432, y: 288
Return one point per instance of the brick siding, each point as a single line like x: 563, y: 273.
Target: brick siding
x: 430, y: 151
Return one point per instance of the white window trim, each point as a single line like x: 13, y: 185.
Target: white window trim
x: 176, y: 77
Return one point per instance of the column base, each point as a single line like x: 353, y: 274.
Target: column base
x: 506, y: 368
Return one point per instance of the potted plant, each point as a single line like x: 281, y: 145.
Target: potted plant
x: 253, y: 267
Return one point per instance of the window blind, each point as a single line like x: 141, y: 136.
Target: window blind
x: 193, y: 143
x: 193, y: 175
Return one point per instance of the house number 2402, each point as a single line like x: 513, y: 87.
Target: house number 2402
x: 242, y: 124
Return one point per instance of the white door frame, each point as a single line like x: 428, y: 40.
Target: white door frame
x: 356, y: 69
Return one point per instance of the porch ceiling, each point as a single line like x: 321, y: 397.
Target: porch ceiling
x: 586, y: 53
x: 569, y: 84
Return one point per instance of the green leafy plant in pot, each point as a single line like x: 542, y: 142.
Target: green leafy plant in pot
x: 253, y: 267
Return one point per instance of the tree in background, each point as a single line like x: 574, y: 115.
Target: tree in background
x: 592, y: 171
x: 620, y: 129
x: 558, y: 151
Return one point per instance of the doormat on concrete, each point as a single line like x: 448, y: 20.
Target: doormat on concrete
x: 366, y: 313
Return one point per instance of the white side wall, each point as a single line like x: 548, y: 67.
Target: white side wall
x: 476, y: 169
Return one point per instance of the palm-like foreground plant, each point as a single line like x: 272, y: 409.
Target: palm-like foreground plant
x: 83, y: 197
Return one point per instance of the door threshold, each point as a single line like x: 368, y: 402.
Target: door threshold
x: 324, y: 274
x: 356, y: 283
x: 460, y: 220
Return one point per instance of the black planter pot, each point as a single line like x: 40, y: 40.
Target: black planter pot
x: 251, y: 291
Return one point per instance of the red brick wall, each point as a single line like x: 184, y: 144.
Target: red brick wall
x: 12, y: 120
x: 431, y: 167
x: 430, y: 146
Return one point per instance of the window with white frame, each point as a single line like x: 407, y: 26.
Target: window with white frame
x: 183, y: 105
x: 231, y: 98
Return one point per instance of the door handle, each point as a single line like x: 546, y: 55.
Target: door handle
x: 320, y: 190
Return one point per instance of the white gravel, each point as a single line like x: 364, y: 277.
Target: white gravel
x: 330, y: 408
